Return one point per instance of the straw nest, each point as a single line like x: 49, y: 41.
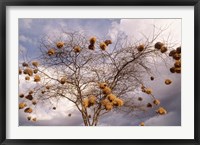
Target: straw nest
x: 28, y: 110
x: 21, y: 95
x: 104, y: 102
x: 161, y: 111
x: 92, y: 100
x: 156, y: 102
x: 60, y: 44
x: 34, y: 102
x: 54, y: 108
x: 178, y: 70
x: 89, y: 116
x: 103, y: 46
x: 177, y: 63
x: 140, y: 48
x: 168, y: 81
x: 172, y: 52
x: 177, y: 56
x: 106, y: 90
x: 107, y: 42
x: 172, y: 70
x: 149, y: 105
x: 118, y: 102
x: 178, y: 50
x: 77, y: 49
x: 111, y: 97
x: 43, y: 91
x: 35, y: 63
x: 34, y: 119
x: 142, y: 124
x: 29, y: 118
x: 35, y: 71
x: 86, y: 102
x: 27, y: 78
x: 163, y: 49
x: 91, y: 47
x: 47, y: 87
x: 93, y: 40
x: 24, y: 64
x: 158, y: 45
x: 69, y: 115
x: 28, y: 71
x: 29, y: 97
x: 22, y: 105
x: 102, y: 85
x: 63, y: 80
x: 109, y: 106
x: 51, y: 52
x: 148, y: 91
x: 37, y: 78
x: 20, y: 71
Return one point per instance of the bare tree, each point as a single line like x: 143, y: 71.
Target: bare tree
x: 96, y: 75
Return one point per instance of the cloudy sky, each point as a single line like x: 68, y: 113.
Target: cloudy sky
x: 30, y: 32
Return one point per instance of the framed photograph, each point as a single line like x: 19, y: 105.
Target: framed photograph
x: 99, y: 72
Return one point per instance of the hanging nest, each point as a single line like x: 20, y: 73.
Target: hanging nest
x: 51, y: 52
x: 177, y: 56
x: 47, y: 87
x: 34, y: 102
x: 111, y: 97
x: 86, y: 102
x: 152, y: 78
x: 109, y: 106
x: 156, y: 102
x: 35, y: 71
x: 149, y: 105
x: 103, y: 46
x: 172, y: 52
x: 34, y: 119
x: 91, y: 47
x: 60, y: 44
x: 29, y: 97
x: 35, y: 63
x: 63, y: 80
x: 89, y: 116
x: 37, y: 78
x: 28, y: 71
x: 54, y: 108
x: 104, y: 102
x: 161, y: 111
x: 24, y: 64
x: 148, y: 91
x: 28, y: 110
x: 93, y: 40
x: 43, y: 91
x: 168, y: 81
x: 20, y: 71
x: 140, y: 98
x: 163, y: 49
x: 21, y: 95
x: 69, y: 115
x: 177, y: 63
x: 77, y: 49
x: 92, y: 100
x: 107, y: 90
x: 158, y: 45
x: 118, y: 102
x: 30, y: 92
x: 107, y: 42
x: 28, y: 118
x: 140, y: 48
x: 172, y: 70
x: 178, y: 50
x: 142, y: 124
x: 102, y: 85
x: 178, y: 70
x: 27, y: 78
x: 22, y: 105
